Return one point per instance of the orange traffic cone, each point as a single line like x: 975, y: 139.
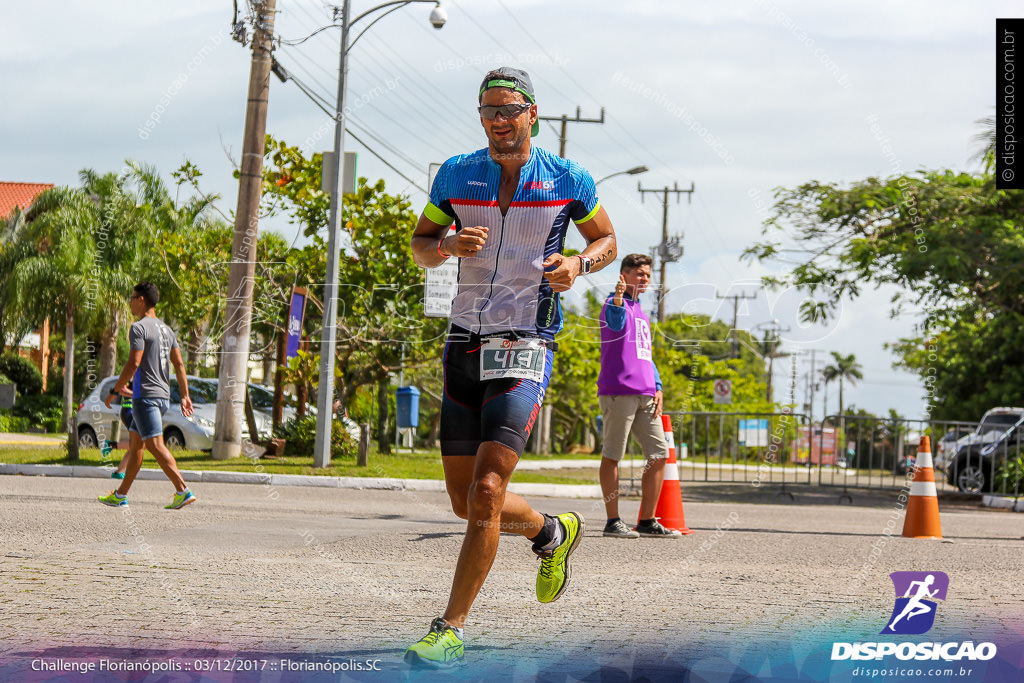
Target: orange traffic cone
x: 922, y: 519
x: 669, y: 510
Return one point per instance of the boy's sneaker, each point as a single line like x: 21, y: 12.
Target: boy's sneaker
x: 441, y: 648
x: 656, y: 530
x: 113, y: 500
x: 553, y: 575
x: 117, y: 475
x: 180, y: 500
x: 618, y: 529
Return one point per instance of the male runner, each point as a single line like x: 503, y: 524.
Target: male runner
x: 511, y: 204
x: 153, y: 349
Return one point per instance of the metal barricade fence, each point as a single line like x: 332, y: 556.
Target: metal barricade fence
x: 847, y: 452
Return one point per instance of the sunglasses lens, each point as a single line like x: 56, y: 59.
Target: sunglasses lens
x: 508, y: 111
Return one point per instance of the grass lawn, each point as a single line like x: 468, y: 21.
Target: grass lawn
x: 418, y: 465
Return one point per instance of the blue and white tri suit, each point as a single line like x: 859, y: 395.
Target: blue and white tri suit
x: 501, y: 290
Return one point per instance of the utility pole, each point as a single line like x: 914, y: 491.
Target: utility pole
x: 564, y: 118
x: 668, y: 251
x: 227, y: 440
x: 736, y: 298
x: 811, y: 379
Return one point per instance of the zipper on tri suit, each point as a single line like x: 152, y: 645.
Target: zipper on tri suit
x: 501, y: 240
x: 497, y: 257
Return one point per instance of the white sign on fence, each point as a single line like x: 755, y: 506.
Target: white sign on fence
x: 754, y: 433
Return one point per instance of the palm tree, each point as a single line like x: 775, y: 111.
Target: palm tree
x: 845, y: 368
x: 58, y: 276
x: 120, y: 241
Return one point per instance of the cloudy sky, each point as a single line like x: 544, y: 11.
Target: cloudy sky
x: 737, y: 98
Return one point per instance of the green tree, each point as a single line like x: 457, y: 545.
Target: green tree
x: 380, y: 311
x: 57, y: 279
x: 949, y: 242
x: 843, y: 368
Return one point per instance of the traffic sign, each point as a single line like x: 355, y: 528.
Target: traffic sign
x: 723, y: 391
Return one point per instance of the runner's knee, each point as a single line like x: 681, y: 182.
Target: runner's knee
x: 485, y: 495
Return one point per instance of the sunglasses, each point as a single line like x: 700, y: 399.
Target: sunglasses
x: 507, y: 111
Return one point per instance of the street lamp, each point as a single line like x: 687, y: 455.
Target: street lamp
x: 328, y: 340
x: 636, y: 170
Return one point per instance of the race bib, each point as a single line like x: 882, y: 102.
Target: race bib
x: 516, y: 358
x: 643, y: 340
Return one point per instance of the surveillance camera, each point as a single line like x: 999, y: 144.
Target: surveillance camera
x: 438, y: 17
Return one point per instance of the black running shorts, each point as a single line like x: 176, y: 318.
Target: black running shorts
x: 473, y: 411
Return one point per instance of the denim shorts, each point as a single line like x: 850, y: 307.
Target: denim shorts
x: 147, y: 414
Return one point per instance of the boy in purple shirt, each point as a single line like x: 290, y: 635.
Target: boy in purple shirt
x: 629, y: 391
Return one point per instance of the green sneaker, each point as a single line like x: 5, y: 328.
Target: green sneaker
x: 441, y: 648
x: 553, y: 575
x: 180, y: 500
x: 117, y: 475
x: 113, y: 500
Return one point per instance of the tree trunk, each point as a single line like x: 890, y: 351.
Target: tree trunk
x: 192, y: 361
x: 108, y: 344
x: 383, y: 442
x: 44, y: 351
x: 269, y: 352
x: 69, y: 369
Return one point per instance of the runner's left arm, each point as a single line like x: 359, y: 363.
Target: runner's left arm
x: 597, y: 230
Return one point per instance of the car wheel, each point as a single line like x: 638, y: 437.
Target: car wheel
x: 173, y: 438
x: 974, y: 475
x: 87, y: 438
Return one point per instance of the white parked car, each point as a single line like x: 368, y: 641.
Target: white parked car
x: 95, y: 419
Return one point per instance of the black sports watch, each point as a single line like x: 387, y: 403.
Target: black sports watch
x: 586, y: 263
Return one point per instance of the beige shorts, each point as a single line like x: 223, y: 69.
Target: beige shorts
x: 623, y: 415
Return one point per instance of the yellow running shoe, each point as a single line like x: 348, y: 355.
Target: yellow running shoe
x: 553, y: 575
x: 113, y: 500
x: 441, y: 648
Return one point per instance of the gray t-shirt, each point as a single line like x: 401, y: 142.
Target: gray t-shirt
x: 155, y: 340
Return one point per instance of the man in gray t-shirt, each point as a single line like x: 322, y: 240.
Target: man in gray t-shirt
x: 156, y: 341
x: 154, y: 349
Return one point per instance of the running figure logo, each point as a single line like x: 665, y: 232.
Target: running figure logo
x: 914, y: 612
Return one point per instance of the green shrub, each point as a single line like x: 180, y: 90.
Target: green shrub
x: 12, y: 424
x: 3, y: 379
x: 38, y: 408
x: 300, y: 435
x: 22, y: 372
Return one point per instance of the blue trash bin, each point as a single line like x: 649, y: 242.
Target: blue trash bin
x: 407, y: 400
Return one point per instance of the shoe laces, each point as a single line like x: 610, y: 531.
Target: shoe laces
x: 546, y: 567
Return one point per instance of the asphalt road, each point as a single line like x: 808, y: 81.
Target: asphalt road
x: 308, y: 570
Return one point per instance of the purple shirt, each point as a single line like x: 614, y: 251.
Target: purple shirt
x: 627, y: 363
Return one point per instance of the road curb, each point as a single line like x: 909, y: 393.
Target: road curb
x: 1003, y: 503
x: 358, y: 483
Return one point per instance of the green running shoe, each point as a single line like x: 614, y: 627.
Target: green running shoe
x: 117, y: 475
x: 113, y: 500
x: 180, y: 500
x: 553, y: 575
x: 441, y: 648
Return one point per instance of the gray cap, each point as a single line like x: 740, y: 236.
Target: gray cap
x: 514, y: 79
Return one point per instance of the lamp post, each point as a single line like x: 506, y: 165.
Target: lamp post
x: 636, y: 170
x: 328, y: 340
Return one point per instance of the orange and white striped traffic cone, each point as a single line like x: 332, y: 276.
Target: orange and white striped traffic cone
x: 669, y: 510
x: 922, y: 519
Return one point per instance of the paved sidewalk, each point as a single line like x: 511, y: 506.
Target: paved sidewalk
x: 8, y: 439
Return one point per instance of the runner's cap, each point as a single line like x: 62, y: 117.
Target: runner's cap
x: 514, y: 79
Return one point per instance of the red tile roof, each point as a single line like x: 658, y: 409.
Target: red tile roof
x: 19, y: 195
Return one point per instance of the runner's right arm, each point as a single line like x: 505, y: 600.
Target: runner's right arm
x: 432, y: 245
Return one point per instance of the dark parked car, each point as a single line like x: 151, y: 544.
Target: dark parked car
x: 975, y: 465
